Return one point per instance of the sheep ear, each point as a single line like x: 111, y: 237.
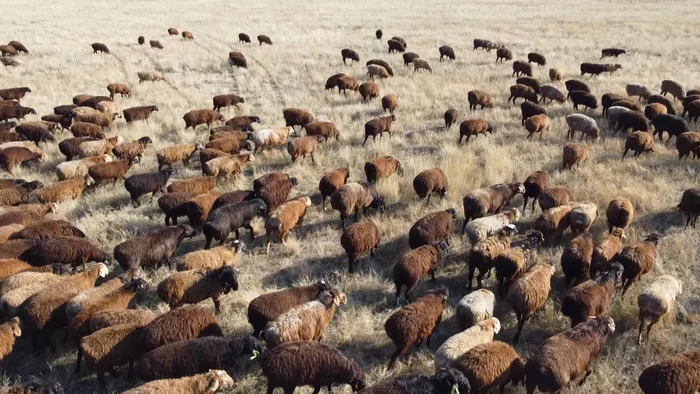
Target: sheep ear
x: 213, y: 385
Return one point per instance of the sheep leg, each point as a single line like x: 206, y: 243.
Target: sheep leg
x: 357, y: 212
x: 317, y: 390
x: 521, y: 323
x: 400, y: 351
x: 654, y: 320
x: 642, y: 318
x: 313, y: 160
x: 363, y: 142
x: 252, y: 233
x: 80, y: 359
x: 270, y: 389
x: 471, y: 277
x: 217, y: 304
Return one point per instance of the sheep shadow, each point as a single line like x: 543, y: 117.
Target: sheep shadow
x: 661, y: 221
x: 369, y: 352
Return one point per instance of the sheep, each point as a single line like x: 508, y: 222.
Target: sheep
x: 48, y: 229
x: 492, y: 199
x: 173, y: 154
x: 368, y: 91
x: 575, y: 84
x: 442, y: 382
x: 637, y: 260
x: 108, y: 108
x: 579, y: 97
x: 430, y: 181
x: 534, y: 185
x: 511, y: 262
x: 325, y: 129
x: 694, y: 111
x: 142, y: 184
x: 308, y: 363
x: 692, y: 92
x: 270, y: 137
x: 552, y: 93
x: 451, y: 116
x: 378, y: 126
x: 567, y: 356
x: 597, y: 68
x: 409, y: 57
x: 574, y: 154
x: 522, y: 91
x: 607, y: 250
x: 686, y: 103
x: 15, y: 112
x: 349, y: 54
x: 591, y: 298
x: 19, y: 194
x: 673, y: 87
x: 415, y: 322
x: 204, y: 383
x: 432, y: 228
x: 7, y: 231
x: 375, y: 70
x: 484, y: 251
x: 6, y: 61
x: 480, y: 43
x: 113, y: 171
x: 85, y: 129
x: 537, y: 124
x: 458, y: 344
x: 303, y: 146
x: 99, y: 47
x: 607, y: 100
x: 396, y: 46
x: 687, y: 143
x: 139, y: 113
x: 639, y: 142
x: 690, y: 206
x: 678, y: 374
x: 151, y: 248
x: 582, y: 216
x: 446, y: 51
x: 150, y: 76
x: 197, y: 185
x: 36, y: 132
x: 268, y: 307
x: 45, y: 310
x: 576, y: 258
x: 191, y: 287
x: 119, y: 88
x: 503, y: 54
x: 382, y: 63
x: 14, y: 93
x: 473, y: 127
x: 357, y: 239
x: 673, y: 124
x: 243, y: 122
x: 8, y: 50
x: 478, y: 97
x: 81, y: 99
x: 12, y: 300
x: 217, y: 257
x: 8, y: 332
x: 484, y: 227
x: 198, y: 207
x: 414, y: 265
x: 553, y: 221
x: 25, y: 214
x: 529, y: 109
x: 27, y: 275
x: 284, y: 218
x: 109, y: 318
x: 173, y: 31
x: 226, y: 100
x: 111, y: 347
x: 198, y: 117
x: 390, y: 102
x: 65, y: 250
x: 92, y: 147
x: 345, y: 83
x: 610, y: 52
x: 8, y: 136
x: 12, y: 266
x: 382, y: 167
x: 14, y: 156
x: 237, y: 59
x: 268, y: 179
x: 656, y: 98
x: 179, y: 324
x: 520, y: 67
x: 69, y: 147
x: 130, y: 150
x: 529, y: 81
x: 297, y: 117
x: 222, y: 221
x: 630, y: 119
x: 13, y: 248
x: 332, y: 81
x: 638, y: 90
x: 555, y: 74
x: 171, y: 205
x: 338, y: 177
x: 225, y: 166
x: 421, y: 64
x: 475, y: 307
x: 229, y: 142
x: 492, y: 364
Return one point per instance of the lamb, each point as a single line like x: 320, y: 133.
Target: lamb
x: 338, y: 177
x: 368, y: 91
x: 529, y: 293
x: 475, y: 307
x: 119, y: 88
x: 574, y: 154
x: 173, y: 154
x: 409, y: 57
x: 637, y: 260
x: 521, y: 68
x: 345, y: 83
x: 414, y: 265
x: 421, y: 64
x: 415, y: 322
x: 92, y: 148
x: 430, y: 181
x: 142, y: 184
x: 503, y: 54
x: 15, y: 112
x: 48, y: 229
x: 576, y: 258
x: 529, y: 109
x: 357, y: 239
x: 642, y: 91
x: 553, y: 221
x: 567, y: 356
x: 217, y: 257
x: 353, y: 196
x: 382, y: 63
x: 197, y: 185
x: 72, y: 251
x: 191, y: 287
x: 432, y: 228
x: 687, y: 143
x: 473, y: 127
x: 478, y: 97
x: 222, y: 221
x: 482, y: 228
x: 639, y: 142
x: 284, y: 218
x: 85, y: 129
x: 582, y: 217
x: 225, y: 166
x: 607, y: 250
x: 14, y: 156
x: 237, y: 59
x: 536, y: 124
x: 460, y: 343
x: 492, y: 199
x: 673, y: 87
x: 139, y: 113
x: 630, y: 119
x: 591, y: 298
x: 442, y: 382
x: 268, y: 307
x: 492, y: 364
x: 308, y: 363
x: 678, y: 374
x: 270, y: 137
x: 130, y: 150
x: 522, y: 91
x: 656, y: 98
x: 484, y: 251
x: 151, y: 249
x: 150, y: 76
x: 99, y: 47
x: 552, y: 93
x: 14, y: 93
x: 8, y: 332
x: 597, y: 69
x: 375, y: 70
x: 673, y: 124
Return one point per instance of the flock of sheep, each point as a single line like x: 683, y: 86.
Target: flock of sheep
x: 47, y: 285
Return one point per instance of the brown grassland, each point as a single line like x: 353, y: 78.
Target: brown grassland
x: 662, y: 41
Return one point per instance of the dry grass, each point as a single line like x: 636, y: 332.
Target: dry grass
x: 662, y: 41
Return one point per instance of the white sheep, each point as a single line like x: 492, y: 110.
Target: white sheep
x: 270, y: 137
x: 656, y: 300
x: 151, y: 76
x: 583, y: 123
x: 460, y: 343
x: 108, y: 108
x: 582, y: 216
x: 83, y: 111
x: 22, y: 144
x: 421, y: 64
x: 375, y: 70
x: 634, y: 89
x: 614, y: 112
x: 79, y: 168
x: 481, y: 228
x: 475, y: 307
x: 552, y: 93
x: 98, y: 147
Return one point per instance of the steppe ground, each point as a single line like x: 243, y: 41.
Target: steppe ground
x: 662, y: 41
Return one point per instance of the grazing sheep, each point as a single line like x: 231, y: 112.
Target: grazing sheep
x: 678, y: 375
x: 186, y: 35
x: 641, y: 91
x: 576, y: 259
x: 325, y: 129
x: 462, y: 342
x: 192, y: 287
x: 673, y: 124
x: 446, y: 51
x: 150, y: 76
x: 690, y: 206
x: 484, y: 251
x: 535, y: 184
x: 536, y: 124
x: 173, y: 31
x: 382, y: 63
x: 390, y: 102
x: 415, y: 322
x: 522, y: 91
x: 529, y: 293
x: 512, y: 262
x: 694, y: 111
x: 421, y: 64
x: 139, y: 113
x: 579, y: 97
x: 566, y: 357
x: 353, y: 196
x: 99, y: 47
x: 432, y: 228
x: 574, y: 154
x: 263, y: 39
x: 18, y: 46
x: 142, y: 184
x: 217, y: 257
x: 492, y: 199
x: 357, y: 239
x: 552, y: 93
x: 25, y: 214
x: 430, y: 181
x: 268, y: 179
x: 378, y: 126
x: 591, y: 298
x: 529, y: 81
x: 451, y: 116
x: 376, y: 70
x: 396, y: 46
x: 656, y: 98
x: 345, y: 83
x: 520, y: 67
x: 141, y: 40
x: 71, y: 251
x: 270, y: 137
x: 629, y: 120
x: 553, y: 221
x: 414, y: 265
x: 151, y: 249
x: 197, y: 185
x: 575, y: 84
x: 225, y: 166
x: 491, y: 364
x: 597, y: 68
x: 473, y: 127
x: 673, y: 87
x: 8, y: 332
x: 687, y: 143
x: 349, y: 54
x: 639, y: 142
x: 529, y: 109
x: 475, y: 307
x: 607, y: 250
x: 637, y: 260
x: 229, y: 218
x: 338, y: 177
x: 284, y: 218
x: 14, y: 156
x: 111, y: 347
x: 237, y: 59
x: 478, y: 97
x: 503, y: 54
x: 484, y: 227
x: 409, y: 57
x: 369, y: 91
x: 480, y: 43
x: 12, y: 249
x: 608, y: 99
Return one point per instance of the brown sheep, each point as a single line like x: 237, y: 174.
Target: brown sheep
x: 576, y: 259
x: 284, y: 218
x: 415, y: 322
x: 191, y: 287
x: 534, y: 57
x: 80, y: 99
x: 607, y: 250
x: 8, y: 50
x: 173, y: 31
x: 678, y: 375
x: 345, y: 83
x: 139, y: 113
x: 528, y: 109
x: 267, y: 179
x: 302, y: 146
x: 377, y: 70
x: 14, y: 156
x: 382, y: 167
x: 520, y: 67
x: 28, y: 214
x: 111, y: 347
x: 480, y: 43
x: 535, y: 184
x: 217, y: 257
x: 225, y: 166
x: 591, y: 298
x: 152, y: 249
x: 553, y: 197
x: 483, y: 253
x: 263, y: 39
x: 503, y: 54
x: 479, y: 97
x: 396, y: 46
x: 198, y: 117
x: 690, y: 206
x: 172, y: 205
x: 522, y: 91
x: 552, y: 222
x: 432, y: 228
x: 113, y: 171
x: 655, y: 98
x: 141, y: 40
x: 381, y: 63
x: 686, y: 143
x: 473, y: 127
x: 132, y: 149
x: 7, y: 61
x: 555, y: 74
x: 430, y: 181
x: 492, y: 199
x: 491, y: 364
x: 451, y: 116
x: 531, y: 82
x: 297, y: 117
x: 18, y: 112
x: 173, y: 154
x: 446, y: 51
x: 537, y: 124
x: 639, y: 142
x: 19, y: 194
x: 99, y: 47
x: 332, y: 81
x: 48, y: 229
x: 331, y: 182
x: 325, y: 129
x: 409, y: 57
x: 354, y: 196
x: 180, y: 324
x: 70, y: 189
x: 529, y: 293
x: 414, y: 265
x: 378, y: 126
x: 118, y: 88
x: 198, y: 185
x: 8, y: 332
x: 574, y: 154
x: 368, y: 91
x: 357, y: 239
x: 390, y: 102
x: 637, y: 260
x: 237, y: 59
x: 186, y: 35
x: 85, y: 129
x: 686, y: 103
x: 226, y: 100
x: 198, y: 207
x: 14, y: 93
x: 349, y: 54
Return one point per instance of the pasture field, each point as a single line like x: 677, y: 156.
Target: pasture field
x: 662, y: 41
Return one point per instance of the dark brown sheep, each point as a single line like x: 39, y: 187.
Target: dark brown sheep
x: 378, y: 126
x: 534, y: 57
x: 579, y: 97
x: 139, y: 113
x: 173, y: 31
x: 530, y: 109
x: 332, y: 181
x: 531, y: 82
x: 357, y: 240
x: 534, y: 185
x: 151, y: 249
x: 354, y: 196
x: 396, y: 46
x: 85, y: 129
x: 597, y: 69
x: 237, y: 59
x: 688, y: 143
x: 198, y: 117
x: 473, y: 127
x: 227, y: 100
x: 409, y: 57
x: 99, y: 47
x: 297, y: 117
x: 48, y: 229
x: 186, y: 35
x: 522, y: 91
x: 520, y: 67
x: 345, y: 83
x: 414, y: 265
x: 591, y: 298
x: 229, y: 218
x: 503, y: 54
x: 179, y: 324
x: 142, y: 184
x: 690, y: 206
x: 244, y: 122
x: 492, y: 199
x: 637, y: 260
x: 482, y: 254
x: 657, y: 98
x: 141, y: 40
x: 476, y: 98
x: 379, y: 34
x: 231, y: 198
x: 430, y: 181
x: 607, y: 100
x: 171, y: 205
x: 263, y: 39
x: 675, y: 375
x: 686, y: 103
x: 14, y: 156
x: 480, y: 43
x: 349, y: 54
x: 18, y: 194
x: 18, y: 46
x: 382, y: 63
x: 325, y: 129
x: 442, y: 382
x: 432, y: 228
x: 610, y: 52
x: 576, y: 258
x: 446, y: 51
x: 14, y: 93
x: 631, y: 120
x: 575, y: 84
x: 72, y: 251
x: 275, y: 193
x: 451, y: 116
x: 244, y: 38
x: 332, y: 81
x: 18, y: 112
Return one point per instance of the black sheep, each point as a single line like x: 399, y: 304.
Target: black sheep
x: 226, y: 219
x: 674, y: 125
x: 72, y: 251
x: 631, y: 119
x: 443, y: 382
x: 231, y: 198
x: 141, y: 184
x: 580, y: 97
x: 529, y: 109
